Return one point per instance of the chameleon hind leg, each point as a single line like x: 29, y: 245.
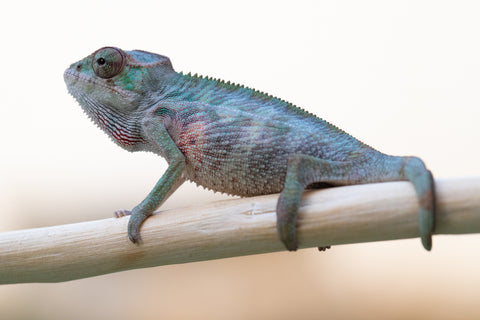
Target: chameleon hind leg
x: 168, y: 183
x: 303, y: 170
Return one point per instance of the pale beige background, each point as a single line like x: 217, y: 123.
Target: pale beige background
x: 403, y: 76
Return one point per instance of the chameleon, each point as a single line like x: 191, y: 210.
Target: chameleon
x: 229, y: 138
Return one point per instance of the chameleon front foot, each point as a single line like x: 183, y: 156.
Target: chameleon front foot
x: 133, y: 224
x: 136, y: 219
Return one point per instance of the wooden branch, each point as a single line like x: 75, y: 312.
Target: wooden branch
x: 230, y: 228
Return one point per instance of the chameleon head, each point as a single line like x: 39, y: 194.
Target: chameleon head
x: 114, y: 86
x: 116, y: 78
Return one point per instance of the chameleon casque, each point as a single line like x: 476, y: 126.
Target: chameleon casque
x: 229, y: 138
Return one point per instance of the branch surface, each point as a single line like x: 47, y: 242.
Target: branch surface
x: 352, y: 214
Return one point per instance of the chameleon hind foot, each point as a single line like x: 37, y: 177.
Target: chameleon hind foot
x: 303, y: 170
x: 422, y: 180
x: 287, y: 207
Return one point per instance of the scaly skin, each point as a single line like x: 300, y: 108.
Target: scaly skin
x: 229, y: 138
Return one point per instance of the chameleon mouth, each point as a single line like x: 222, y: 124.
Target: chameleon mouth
x: 74, y: 79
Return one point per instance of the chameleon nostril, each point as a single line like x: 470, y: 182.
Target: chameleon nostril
x: 79, y: 67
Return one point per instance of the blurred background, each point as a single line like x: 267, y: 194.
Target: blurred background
x: 402, y: 76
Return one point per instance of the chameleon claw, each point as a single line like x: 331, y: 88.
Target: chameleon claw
x: 427, y: 242
x: 135, y: 237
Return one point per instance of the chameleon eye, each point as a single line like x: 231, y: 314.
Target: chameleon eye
x: 108, y: 62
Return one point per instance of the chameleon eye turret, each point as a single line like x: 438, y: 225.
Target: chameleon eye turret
x: 108, y: 62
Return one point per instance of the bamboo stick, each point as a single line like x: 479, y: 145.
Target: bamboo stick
x: 341, y: 215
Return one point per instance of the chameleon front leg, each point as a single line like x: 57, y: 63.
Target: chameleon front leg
x: 303, y: 170
x: 168, y: 183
